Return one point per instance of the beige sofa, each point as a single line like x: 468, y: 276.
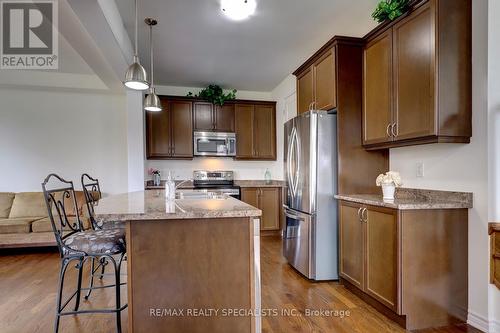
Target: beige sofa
x: 24, y: 220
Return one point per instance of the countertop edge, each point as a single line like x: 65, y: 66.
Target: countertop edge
x: 406, y: 206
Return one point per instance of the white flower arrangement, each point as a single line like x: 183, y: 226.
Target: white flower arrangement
x: 390, y: 178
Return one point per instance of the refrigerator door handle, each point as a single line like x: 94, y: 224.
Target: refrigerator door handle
x: 293, y: 173
x: 297, y: 172
x: 289, y: 162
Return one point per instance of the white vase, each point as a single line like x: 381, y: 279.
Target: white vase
x: 388, y: 191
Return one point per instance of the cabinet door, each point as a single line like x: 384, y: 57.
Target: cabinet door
x: 382, y: 255
x: 158, y: 133
x: 351, y: 244
x: 203, y: 116
x: 224, y: 118
x: 244, y: 124
x: 305, y: 94
x: 414, y: 72
x: 324, y: 82
x: 270, y: 204
x: 250, y: 195
x: 265, y: 132
x: 182, y: 129
x: 377, y: 89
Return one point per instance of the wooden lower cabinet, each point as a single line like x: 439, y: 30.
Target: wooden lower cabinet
x: 267, y: 199
x: 494, y: 231
x: 409, y: 264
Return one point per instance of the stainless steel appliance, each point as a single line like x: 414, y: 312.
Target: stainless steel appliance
x: 214, y: 144
x: 310, y: 235
x: 220, y: 182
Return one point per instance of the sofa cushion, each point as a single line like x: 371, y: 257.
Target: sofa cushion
x: 29, y: 204
x: 17, y: 225
x: 5, y: 203
x: 44, y: 225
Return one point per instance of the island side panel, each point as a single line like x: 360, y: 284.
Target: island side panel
x: 186, y: 264
x: 434, y: 267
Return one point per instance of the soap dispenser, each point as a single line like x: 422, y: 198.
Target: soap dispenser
x: 170, y: 188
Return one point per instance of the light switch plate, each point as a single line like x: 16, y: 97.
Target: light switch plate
x: 420, y: 169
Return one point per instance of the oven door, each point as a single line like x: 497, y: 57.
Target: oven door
x: 298, y: 242
x: 214, y: 144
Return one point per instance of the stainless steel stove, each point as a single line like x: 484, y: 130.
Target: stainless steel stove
x: 217, y: 181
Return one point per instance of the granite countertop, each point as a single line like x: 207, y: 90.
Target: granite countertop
x: 414, y: 199
x: 151, y: 205
x: 242, y: 183
x: 260, y: 183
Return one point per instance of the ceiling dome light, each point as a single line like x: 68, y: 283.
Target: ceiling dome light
x: 238, y: 9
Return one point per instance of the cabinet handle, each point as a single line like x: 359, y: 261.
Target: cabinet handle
x: 364, y: 217
x: 359, y: 214
x: 387, y: 130
x: 394, y: 134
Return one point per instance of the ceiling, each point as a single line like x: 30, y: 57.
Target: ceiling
x: 195, y: 44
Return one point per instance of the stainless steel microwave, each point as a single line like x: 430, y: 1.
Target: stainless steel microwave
x: 214, y: 144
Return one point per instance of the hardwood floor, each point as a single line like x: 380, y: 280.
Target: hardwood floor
x: 28, y: 282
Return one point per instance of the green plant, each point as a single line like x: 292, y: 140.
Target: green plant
x: 214, y: 94
x: 390, y: 9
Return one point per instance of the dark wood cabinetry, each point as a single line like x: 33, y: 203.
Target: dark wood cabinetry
x: 357, y: 167
x: 267, y: 199
x: 316, y: 82
x: 169, y: 133
x: 255, y: 125
x: 494, y: 231
x: 409, y: 264
x: 210, y: 117
x: 417, y: 77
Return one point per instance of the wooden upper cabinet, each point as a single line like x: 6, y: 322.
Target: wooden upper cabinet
x: 224, y: 118
x: 182, y: 129
x: 169, y: 133
x: 158, y: 132
x: 324, y: 82
x: 414, y: 76
x: 210, y: 117
x: 316, y: 82
x: 351, y: 233
x: 203, y: 116
x: 244, y: 115
x: 305, y: 95
x: 382, y: 255
x: 255, y: 126
x: 265, y: 132
x: 377, y: 89
x: 429, y: 61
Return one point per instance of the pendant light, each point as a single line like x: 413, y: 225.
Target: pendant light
x: 135, y: 77
x: 152, y: 102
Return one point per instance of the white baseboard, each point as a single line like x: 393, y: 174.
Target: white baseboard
x: 478, y: 322
x: 482, y: 323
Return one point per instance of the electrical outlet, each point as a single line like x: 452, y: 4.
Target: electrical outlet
x: 420, y: 169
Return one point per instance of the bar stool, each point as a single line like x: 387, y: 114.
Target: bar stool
x: 78, y: 245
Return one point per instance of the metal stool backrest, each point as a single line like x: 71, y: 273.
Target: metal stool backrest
x: 92, y: 192
x: 60, y: 198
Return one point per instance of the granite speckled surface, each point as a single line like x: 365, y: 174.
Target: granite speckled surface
x: 151, y: 205
x: 260, y: 183
x: 242, y: 183
x: 414, y: 199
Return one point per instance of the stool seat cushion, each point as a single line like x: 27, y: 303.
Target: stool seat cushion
x: 109, y: 241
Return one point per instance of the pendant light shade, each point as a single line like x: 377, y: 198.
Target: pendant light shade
x: 152, y: 102
x: 136, y: 77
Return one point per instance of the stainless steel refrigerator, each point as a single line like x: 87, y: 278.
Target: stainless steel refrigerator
x: 310, y: 235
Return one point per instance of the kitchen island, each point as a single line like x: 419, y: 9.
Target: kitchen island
x: 193, y: 264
